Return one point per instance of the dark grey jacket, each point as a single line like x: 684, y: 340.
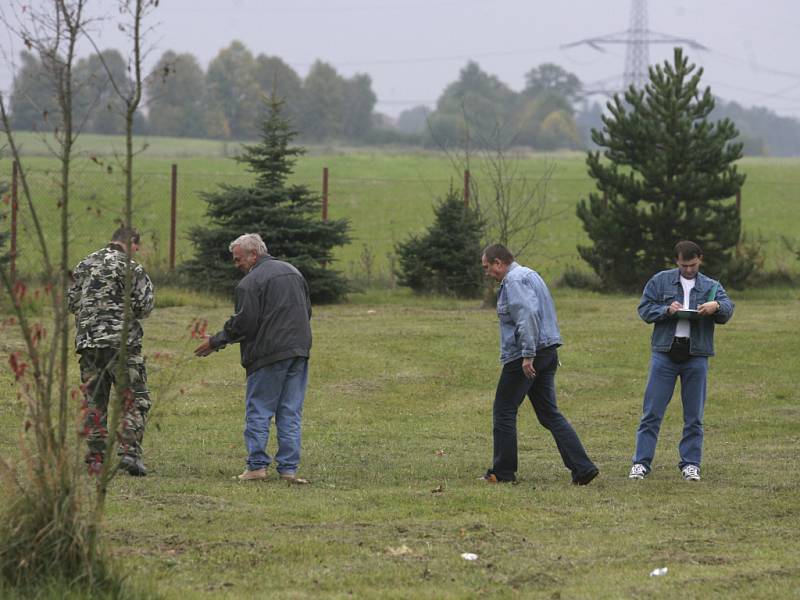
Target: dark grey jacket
x: 272, y: 318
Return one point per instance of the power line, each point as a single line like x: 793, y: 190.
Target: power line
x: 432, y: 59
x: 757, y: 67
x: 778, y: 94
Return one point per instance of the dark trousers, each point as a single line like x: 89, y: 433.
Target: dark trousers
x: 512, y: 388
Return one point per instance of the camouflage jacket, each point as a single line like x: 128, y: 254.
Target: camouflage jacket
x: 96, y: 298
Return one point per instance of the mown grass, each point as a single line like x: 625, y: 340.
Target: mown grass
x: 397, y: 427
x: 387, y: 195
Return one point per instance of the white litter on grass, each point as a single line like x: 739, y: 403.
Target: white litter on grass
x: 469, y: 556
x: 399, y: 551
x: 658, y: 572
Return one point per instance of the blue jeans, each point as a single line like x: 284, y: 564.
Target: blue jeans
x: 660, y: 386
x: 277, y: 390
x: 512, y: 388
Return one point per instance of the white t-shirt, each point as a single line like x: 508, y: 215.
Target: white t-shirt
x: 684, y: 327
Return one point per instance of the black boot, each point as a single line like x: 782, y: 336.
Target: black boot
x: 133, y: 465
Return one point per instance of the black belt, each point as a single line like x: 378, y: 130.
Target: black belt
x: 680, y: 340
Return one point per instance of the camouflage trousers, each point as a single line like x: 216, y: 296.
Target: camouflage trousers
x: 98, y: 374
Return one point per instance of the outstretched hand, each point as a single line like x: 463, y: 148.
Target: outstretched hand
x: 205, y: 348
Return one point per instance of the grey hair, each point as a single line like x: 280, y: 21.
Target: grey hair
x: 250, y: 242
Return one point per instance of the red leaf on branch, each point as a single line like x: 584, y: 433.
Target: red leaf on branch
x: 19, y: 290
x: 198, y: 328
x: 37, y: 333
x: 17, y: 365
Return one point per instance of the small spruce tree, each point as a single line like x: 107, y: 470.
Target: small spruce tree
x: 668, y: 175
x: 447, y: 258
x: 286, y: 216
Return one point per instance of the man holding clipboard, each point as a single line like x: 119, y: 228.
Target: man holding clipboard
x: 683, y: 305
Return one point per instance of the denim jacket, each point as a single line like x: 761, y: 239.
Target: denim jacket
x: 527, y: 314
x: 662, y: 290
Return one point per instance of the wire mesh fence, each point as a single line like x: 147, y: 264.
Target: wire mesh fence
x: 382, y: 211
x: 168, y: 203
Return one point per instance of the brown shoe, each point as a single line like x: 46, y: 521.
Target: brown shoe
x: 293, y: 479
x: 490, y: 477
x: 254, y: 475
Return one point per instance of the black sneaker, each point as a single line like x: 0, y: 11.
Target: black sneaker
x: 587, y: 479
x: 133, y: 465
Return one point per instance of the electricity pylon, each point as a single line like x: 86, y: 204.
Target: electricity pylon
x: 637, y: 39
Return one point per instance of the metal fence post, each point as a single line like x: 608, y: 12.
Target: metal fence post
x: 739, y: 202
x: 324, y: 203
x: 325, y: 193
x: 466, y: 188
x: 14, y: 208
x: 173, y: 216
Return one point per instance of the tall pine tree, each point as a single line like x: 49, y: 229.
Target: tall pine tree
x: 668, y: 175
x: 286, y: 216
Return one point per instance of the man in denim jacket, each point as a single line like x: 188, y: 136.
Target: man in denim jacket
x: 529, y: 338
x: 682, y: 341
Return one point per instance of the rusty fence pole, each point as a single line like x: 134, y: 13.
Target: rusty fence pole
x: 173, y: 216
x: 325, y: 193
x: 739, y: 203
x: 14, y: 208
x: 324, y: 202
x: 466, y: 188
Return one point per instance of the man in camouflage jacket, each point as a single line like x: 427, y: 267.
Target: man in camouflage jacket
x: 96, y: 297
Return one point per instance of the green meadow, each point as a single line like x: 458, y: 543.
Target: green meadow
x: 397, y: 429
x: 387, y: 195
x: 397, y: 420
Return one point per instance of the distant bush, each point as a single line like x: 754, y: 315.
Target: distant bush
x: 782, y: 277
x: 581, y: 280
x: 747, y: 261
x: 447, y: 259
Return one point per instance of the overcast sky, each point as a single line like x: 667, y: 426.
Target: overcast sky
x: 413, y: 48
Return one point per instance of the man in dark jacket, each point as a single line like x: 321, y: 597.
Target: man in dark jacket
x: 271, y: 323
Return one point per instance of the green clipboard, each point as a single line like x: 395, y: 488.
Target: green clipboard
x: 688, y: 313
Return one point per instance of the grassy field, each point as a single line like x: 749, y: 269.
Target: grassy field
x: 397, y: 427
x: 398, y: 415
x: 386, y: 195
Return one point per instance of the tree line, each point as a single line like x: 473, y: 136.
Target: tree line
x: 226, y: 99
x: 224, y: 102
